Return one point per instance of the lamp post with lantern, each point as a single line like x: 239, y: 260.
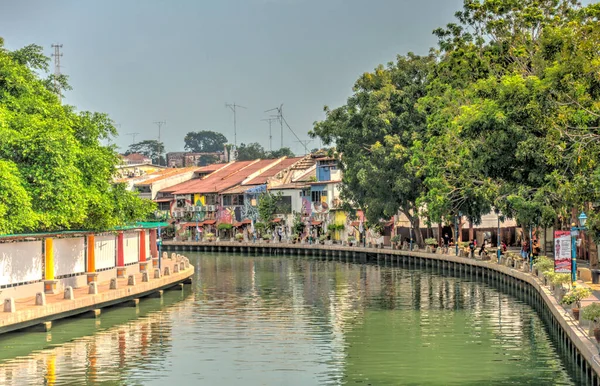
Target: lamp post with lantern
x: 574, y: 233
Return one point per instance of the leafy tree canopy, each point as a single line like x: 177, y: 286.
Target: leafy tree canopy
x: 56, y: 174
x: 205, y: 141
x: 150, y: 148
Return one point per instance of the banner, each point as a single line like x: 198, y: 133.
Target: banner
x: 562, y: 251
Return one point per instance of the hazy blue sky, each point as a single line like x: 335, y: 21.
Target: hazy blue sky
x: 181, y: 61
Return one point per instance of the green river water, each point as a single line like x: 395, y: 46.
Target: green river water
x: 271, y: 320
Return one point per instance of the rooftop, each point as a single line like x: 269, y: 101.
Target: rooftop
x: 264, y: 177
x: 166, y: 173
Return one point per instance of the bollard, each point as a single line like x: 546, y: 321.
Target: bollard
x: 173, y: 255
x: 9, y: 305
x: 40, y: 299
x: 181, y: 266
x: 167, y: 271
x: 69, y: 295
x: 176, y: 268
x: 145, y: 277
x: 157, y: 273
x: 165, y: 255
x: 131, y: 279
x: 113, y: 283
x: 93, y: 288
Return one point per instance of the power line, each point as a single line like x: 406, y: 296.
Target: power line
x: 270, y: 120
x: 133, y: 137
x: 57, y: 54
x: 233, y: 108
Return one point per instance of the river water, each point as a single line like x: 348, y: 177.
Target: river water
x: 294, y: 321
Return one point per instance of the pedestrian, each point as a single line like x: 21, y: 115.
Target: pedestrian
x: 482, y: 250
x: 472, y: 248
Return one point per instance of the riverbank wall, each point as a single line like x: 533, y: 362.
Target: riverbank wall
x: 573, y: 337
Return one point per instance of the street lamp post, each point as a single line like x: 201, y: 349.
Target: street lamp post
x: 574, y: 232
x: 498, y: 238
x: 456, y: 232
x: 411, y: 238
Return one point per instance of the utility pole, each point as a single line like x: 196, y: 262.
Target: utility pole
x: 57, y: 54
x: 304, y: 143
x: 270, y: 120
x: 160, y: 125
x: 233, y: 108
x: 133, y: 137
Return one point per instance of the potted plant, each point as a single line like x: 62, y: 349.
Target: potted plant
x: 322, y: 239
x: 351, y: 240
x: 558, y: 280
x: 239, y: 237
x: 575, y: 296
x: 395, y: 241
x: 592, y: 313
x: 266, y: 237
x: 209, y: 236
x: 543, y: 264
x: 431, y: 244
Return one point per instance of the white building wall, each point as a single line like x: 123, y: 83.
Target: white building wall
x: 131, y: 244
x: 148, y: 244
x: 69, y: 256
x: 20, y: 262
x: 105, y: 251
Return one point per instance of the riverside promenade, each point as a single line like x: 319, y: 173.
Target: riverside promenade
x: 574, y: 337
x: 45, y: 277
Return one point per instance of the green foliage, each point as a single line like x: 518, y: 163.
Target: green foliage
x: 576, y: 295
x: 396, y: 239
x: 544, y: 264
x: 250, y: 151
x: 224, y: 226
x: 56, y: 174
x: 204, y: 141
x: 431, y: 241
x: 151, y: 148
x: 209, y: 235
x: 591, y: 312
x: 282, y: 152
x: 239, y: 236
x: 558, y: 278
x: 267, y: 236
x: 298, y: 226
x: 268, y: 204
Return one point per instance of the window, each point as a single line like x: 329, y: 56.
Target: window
x: 164, y: 205
x: 211, y: 199
x: 316, y: 195
x: 284, y: 205
x: 230, y: 200
x: 227, y: 200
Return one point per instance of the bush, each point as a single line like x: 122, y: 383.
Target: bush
x: 431, y: 241
x: 266, y: 236
x: 259, y: 226
x: 395, y: 239
x: 576, y: 295
x: 559, y: 278
x: 544, y: 264
x: 239, y: 236
x: 591, y: 312
x: 209, y: 235
x: 224, y: 226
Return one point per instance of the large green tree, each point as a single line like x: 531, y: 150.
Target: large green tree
x: 204, y: 141
x: 150, y: 148
x: 56, y: 174
x: 374, y: 136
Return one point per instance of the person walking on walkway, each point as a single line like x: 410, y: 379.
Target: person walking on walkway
x: 472, y: 248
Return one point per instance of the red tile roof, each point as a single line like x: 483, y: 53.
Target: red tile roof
x: 263, y: 177
x: 231, y: 175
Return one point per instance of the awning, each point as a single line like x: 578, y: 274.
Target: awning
x: 316, y: 223
x: 163, y: 200
x: 389, y: 223
x: 278, y: 219
x: 355, y: 223
x: 243, y: 222
x: 210, y: 222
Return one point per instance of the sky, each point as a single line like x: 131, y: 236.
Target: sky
x: 181, y: 61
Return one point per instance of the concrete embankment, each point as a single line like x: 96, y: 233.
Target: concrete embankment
x: 38, y: 312
x: 573, y: 337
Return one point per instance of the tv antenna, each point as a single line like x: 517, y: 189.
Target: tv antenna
x: 233, y: 108
x: 270, y: 120
x: 282, y: 120
x: 304, y: 143
x: 133, y: 137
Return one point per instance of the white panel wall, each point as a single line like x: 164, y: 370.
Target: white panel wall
x: 148, y: 245
x: 105, y: 251
x: 20, y: 262
x: 69, y: 256
x: 131, y: 243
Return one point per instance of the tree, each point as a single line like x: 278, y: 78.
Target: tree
x: 268, y: 204
x: 375, y: 133
x: 283, y: 152
x: 150, y: 148
x: 251, y: 151
x: 56, y: 174
x: 205, y: 141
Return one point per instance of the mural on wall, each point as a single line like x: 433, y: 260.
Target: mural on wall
x: 319, y: 208
x: 225, y: 215
x: 250, y: 211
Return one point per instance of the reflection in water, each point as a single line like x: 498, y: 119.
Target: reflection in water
x: 280, y: 320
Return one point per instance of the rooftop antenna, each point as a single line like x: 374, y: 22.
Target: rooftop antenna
x: 57, y: 54
x: 270, y: 120
x: 304, y: 143
x: 282, y: 121
x: 233, y: 108
x: 133, y: 137
x: 160, y: 125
